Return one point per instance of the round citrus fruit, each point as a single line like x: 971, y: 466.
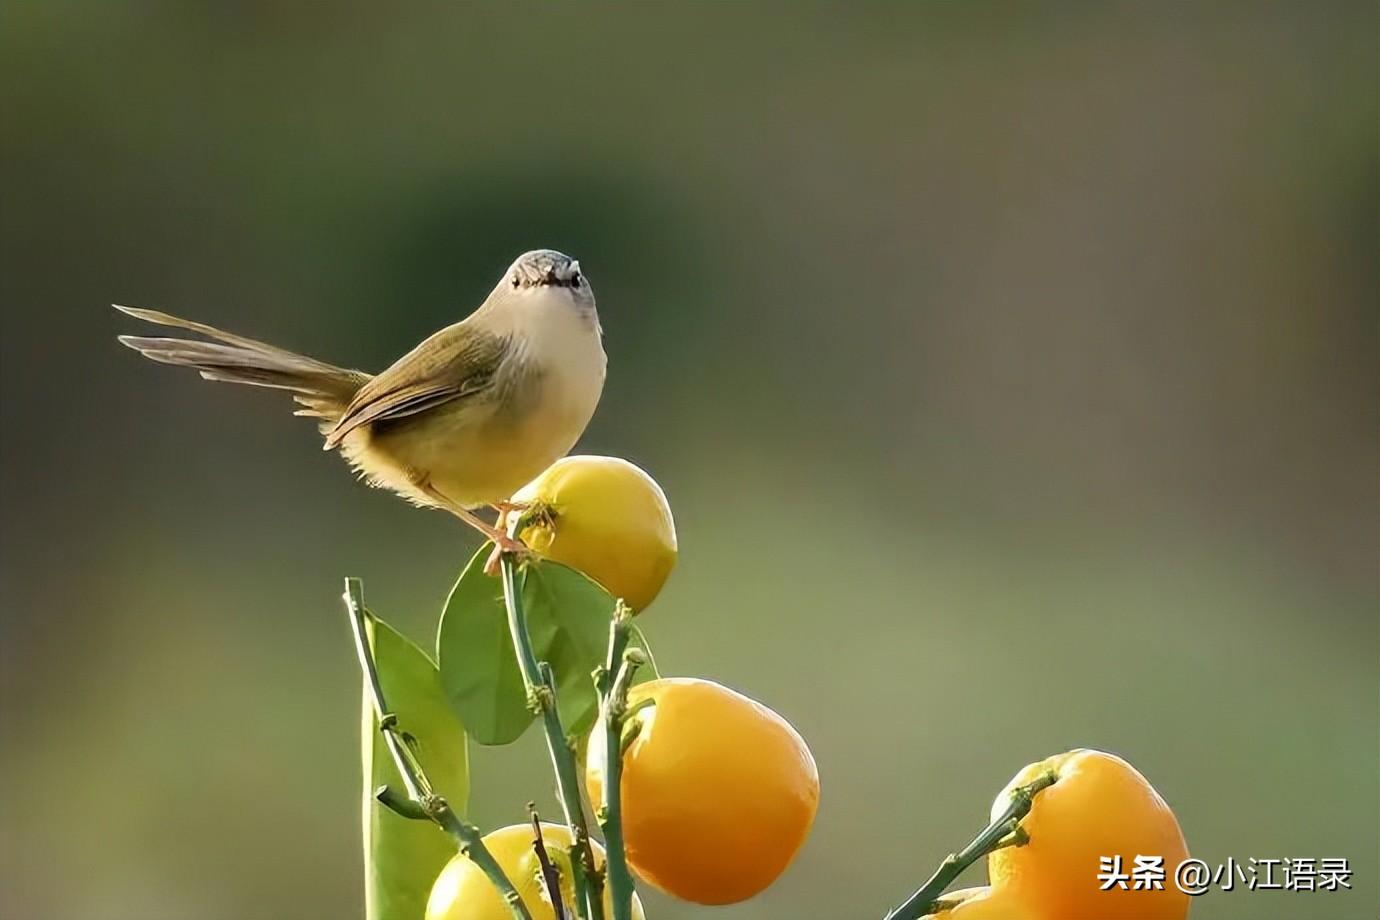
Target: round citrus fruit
x: 1099, y: 808
x: 463, y: 892
x: 718, y: 791
x: 605, y: 517
x: 982, y: 904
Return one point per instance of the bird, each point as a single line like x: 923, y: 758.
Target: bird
x: 458, y: 423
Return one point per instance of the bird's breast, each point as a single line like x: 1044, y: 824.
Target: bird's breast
x: 482, y: 449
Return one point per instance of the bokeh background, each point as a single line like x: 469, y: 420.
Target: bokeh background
x: 1012, y: 372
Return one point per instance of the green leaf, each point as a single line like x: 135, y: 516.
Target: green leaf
x: 575, y: 612
x: 479, y: 670
x: 401, y: 857
x: 568, y: 619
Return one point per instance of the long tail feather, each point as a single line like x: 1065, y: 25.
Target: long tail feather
x: 323, y: 389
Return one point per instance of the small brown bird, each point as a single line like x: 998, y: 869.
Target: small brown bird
x: 461, y: 421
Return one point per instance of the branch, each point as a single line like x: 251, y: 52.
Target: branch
x: 613, y: 681
x: 541, y: 697
x: 1005, y: 830
x: 423, y: 801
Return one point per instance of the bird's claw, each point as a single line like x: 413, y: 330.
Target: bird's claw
x: 507, y: 507
x: 505, y: 545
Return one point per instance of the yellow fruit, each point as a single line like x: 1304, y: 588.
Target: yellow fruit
x: 463, y: 892
x: 719, y: 792
x: 983, y: 904
x: 607, y: 518
x: 1099, y: 806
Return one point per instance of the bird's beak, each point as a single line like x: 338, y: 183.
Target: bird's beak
x: 561, y: 274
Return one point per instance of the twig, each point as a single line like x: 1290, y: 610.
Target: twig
x: 613, y: 681
x: 1005, y: 830
x: 541, y: 697
x: 550, y: 875
x: 422, y: 799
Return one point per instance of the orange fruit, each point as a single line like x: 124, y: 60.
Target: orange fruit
x: 606, y: 518
x: 983, y: 904
x: 1099, y: 806
x: 463, y: 892
x: 718, y: 791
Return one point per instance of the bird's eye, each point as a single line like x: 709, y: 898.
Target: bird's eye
x: 515, y: 281
x: 575, y: 280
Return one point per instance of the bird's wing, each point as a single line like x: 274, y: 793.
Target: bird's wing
x: 457, y: 362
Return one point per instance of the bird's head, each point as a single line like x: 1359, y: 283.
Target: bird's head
x: 547, y: 269
x: 544, y: 280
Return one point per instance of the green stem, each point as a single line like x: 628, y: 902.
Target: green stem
x: 541, y: 695
x: 992, y: 837
x: 613, y: 681
x: 419, y: 790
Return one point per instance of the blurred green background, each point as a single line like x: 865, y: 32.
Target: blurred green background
x: 1012, y: 373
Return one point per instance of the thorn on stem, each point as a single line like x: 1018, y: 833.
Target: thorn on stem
x: 400, y: 805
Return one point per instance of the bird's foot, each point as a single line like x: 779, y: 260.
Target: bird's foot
x: 505, y: 545
x: 509, y: 507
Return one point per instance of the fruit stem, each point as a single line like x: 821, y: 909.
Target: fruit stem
x: 419, y: 789
x: 612, y: 681
x: 1005, y: 830
x: 541, y: 690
